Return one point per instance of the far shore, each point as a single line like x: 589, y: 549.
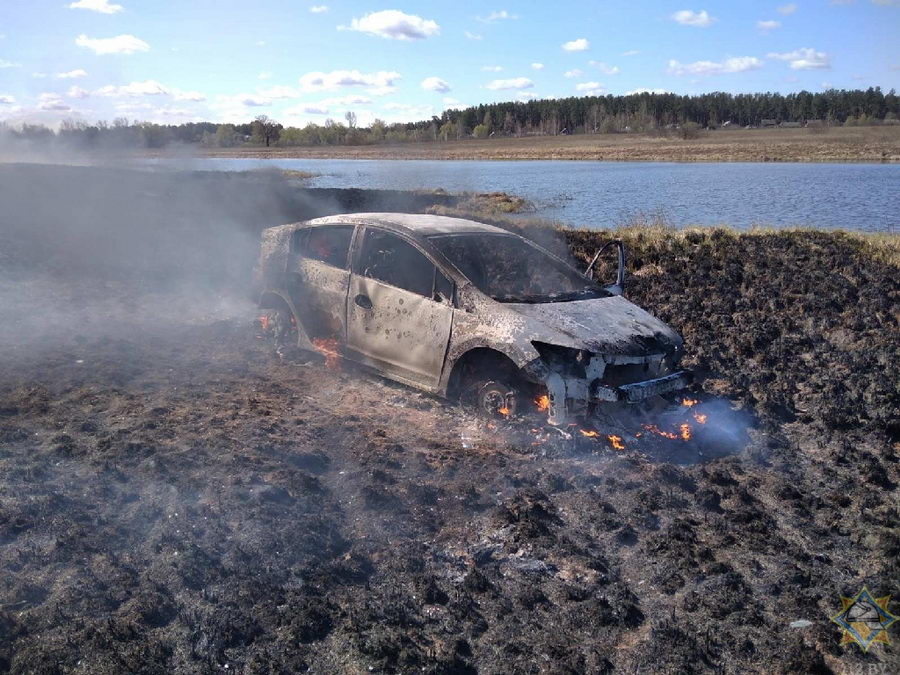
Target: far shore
x: 837, y: 144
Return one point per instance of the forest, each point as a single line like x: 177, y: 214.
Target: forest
x: 645, y: 112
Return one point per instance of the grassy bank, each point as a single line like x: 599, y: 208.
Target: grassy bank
x: 840, y: 144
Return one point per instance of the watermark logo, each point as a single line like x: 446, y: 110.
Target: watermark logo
x: 864, y: 619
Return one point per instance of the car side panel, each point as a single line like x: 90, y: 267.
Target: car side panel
x: 403, y: 334
x: 320, y: 294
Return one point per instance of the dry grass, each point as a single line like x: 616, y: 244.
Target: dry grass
x: 851, y: 144
x: 654, y: 229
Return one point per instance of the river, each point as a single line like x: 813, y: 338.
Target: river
x: 599, y: 194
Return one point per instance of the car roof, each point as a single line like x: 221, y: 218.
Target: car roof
x: 415, y: 223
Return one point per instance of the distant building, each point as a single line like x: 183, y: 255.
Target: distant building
x: 791, y: 125
x: 768, y: 123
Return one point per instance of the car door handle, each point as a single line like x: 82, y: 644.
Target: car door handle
x: 363, y: 301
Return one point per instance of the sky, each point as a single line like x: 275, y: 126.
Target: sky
x: 174, y: 61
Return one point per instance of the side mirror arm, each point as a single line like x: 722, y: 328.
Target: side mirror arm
x: 619, y: 287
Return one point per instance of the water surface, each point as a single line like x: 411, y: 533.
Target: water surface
x: 851, y: 196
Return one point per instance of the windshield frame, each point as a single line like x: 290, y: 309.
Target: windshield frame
x: 592, y: 289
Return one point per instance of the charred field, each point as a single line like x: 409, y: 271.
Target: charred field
x: 176, y: 498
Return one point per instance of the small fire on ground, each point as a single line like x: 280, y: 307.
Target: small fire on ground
x: 328, y: 347
x: 683, y: 431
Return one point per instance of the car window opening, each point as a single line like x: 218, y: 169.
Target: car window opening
x: 509, y: 268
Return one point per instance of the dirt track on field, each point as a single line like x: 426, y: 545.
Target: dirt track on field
x: 174, y: 497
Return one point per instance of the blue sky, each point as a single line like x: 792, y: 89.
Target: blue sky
x: 228, y: 60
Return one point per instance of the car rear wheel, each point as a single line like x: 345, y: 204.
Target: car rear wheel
x: 280, y: 326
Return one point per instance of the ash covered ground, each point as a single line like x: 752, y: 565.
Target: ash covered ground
x: 175, y: 498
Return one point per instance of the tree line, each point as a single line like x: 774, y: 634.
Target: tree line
x: 644, y: 112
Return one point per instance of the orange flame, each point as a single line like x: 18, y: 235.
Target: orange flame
x: 616, y: 442
x: 685, y: 432
x: 542, y: 403
x: 264, y: 323
x: 701, y: 418
x: 589, y: 434
x: 328, y: 347
x: 689, y: 402
x: 652, y: 428
x: 503, y: 411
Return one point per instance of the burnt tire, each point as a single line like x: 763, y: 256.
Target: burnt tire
x: 493, y: 398
x: 280, y: 326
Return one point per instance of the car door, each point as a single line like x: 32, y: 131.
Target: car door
x: 320, y: 277
x: 399, y: 309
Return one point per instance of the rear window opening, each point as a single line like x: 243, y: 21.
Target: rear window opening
x: 330, y: 244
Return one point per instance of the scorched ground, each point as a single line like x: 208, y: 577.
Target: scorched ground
x: 175, y: 498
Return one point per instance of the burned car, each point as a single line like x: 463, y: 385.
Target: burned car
x: 464, y: 310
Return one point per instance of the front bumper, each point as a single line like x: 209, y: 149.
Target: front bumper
x: 639, y: 391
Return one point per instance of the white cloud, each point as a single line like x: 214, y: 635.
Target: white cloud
x: 804, y: 59
x: 605, y: 68
x: 327, y: 106
x: 346, y: 100
x: 631, y: 52
x: 473, y: 36
x: 252, y: 100
x: 590, y: 88
x: 688, y: 17
x: 394, y: 24
x: 513, y: 83
x: 279, y: 92
x: 121, y: 44
x: 265, y: 75
x: 494, y: 17
x: 645, y: 91
x: 525, y: 96
x: 101, y: 6
x: 537, y: 66
x: 405, y: 112
x: 6, y: 99
x: 738, y: 64
x: 453, y: 102
x: 195, y: 96
x: 77, y: 92
x: 579, y: 45
x: 52, y: 102
x: 435, y: 84
x: 72, y: 74
x: 787, y: 9
x: 381, y: 82
x: 318, y: 9
x: 766, y: 26
x: 492, y: 69
x: 146, y: 88
x: 307, y: 109
x: 9, y: 64
x: 575, y: 72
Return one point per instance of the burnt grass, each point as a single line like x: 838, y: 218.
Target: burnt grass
x: 176, y: 498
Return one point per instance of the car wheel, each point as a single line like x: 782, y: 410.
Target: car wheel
x: 495, y: 399
x: 279, y: 324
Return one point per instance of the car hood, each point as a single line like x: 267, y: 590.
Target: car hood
x: 603, y: 325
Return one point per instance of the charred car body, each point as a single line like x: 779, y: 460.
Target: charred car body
x: 463, y: 310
